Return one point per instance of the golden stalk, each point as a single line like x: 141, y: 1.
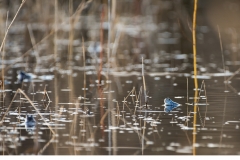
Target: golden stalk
x: 195, y: 74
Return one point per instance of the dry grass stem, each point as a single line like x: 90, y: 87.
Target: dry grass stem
x: 144, y: 85
x: 5, y: 36
x: 195, y: 74
x: 21, y: 91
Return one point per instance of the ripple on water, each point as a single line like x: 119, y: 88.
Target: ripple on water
x: 216, y: 145
x: 149, y: 142
x: 157, y: 78
x: 184, y: 149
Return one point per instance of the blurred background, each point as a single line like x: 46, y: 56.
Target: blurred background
x: 156, y: 30
x: 92, y: 51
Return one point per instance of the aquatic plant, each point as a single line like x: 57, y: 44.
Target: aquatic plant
x: 195, y: 73
x: 32, y: 104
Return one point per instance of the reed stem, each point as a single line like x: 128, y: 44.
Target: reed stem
x: 195, y: 74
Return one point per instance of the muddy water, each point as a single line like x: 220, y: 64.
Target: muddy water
x: 128, y: 127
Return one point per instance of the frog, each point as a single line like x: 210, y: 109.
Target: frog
x: 30, y: 122
x: 168, y: 101
x: 170, y: 105
x: 22, y: 76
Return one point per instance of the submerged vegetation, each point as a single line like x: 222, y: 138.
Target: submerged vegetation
x: 118, y: 77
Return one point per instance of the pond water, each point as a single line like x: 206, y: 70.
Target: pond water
x: 128, y: 126
x: 83, y: 102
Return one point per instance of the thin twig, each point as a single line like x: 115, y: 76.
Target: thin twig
x: 144, y: 84
x: 54, y: 30
x: 21, y: 91
x: 5, y: 36
x: 234, y: 74
x: 206, y: 105
x: 224, y: 68
x: 84, y: 64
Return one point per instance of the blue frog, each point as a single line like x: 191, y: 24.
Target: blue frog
x: 170, y: 105
x: 23, y: 76
x: 168, y: 101
x: 30, y: 123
